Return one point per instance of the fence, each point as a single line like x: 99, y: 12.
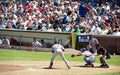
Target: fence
x: 111, y: 43
x: 20, y: 42
x: 24, y: 38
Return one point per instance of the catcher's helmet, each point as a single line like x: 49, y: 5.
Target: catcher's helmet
x: 83, y: 49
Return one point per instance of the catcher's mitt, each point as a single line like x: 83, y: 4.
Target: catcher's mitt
x: 73, y: 55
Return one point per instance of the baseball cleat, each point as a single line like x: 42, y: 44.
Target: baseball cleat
x: 68, y: 67
x: 49, y: 67
x: 104, y: 66
x: 92, y: 65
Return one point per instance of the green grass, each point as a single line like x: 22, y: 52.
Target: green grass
x: 23, y: 55
x: 6, y: 55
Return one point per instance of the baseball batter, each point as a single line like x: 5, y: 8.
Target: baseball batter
x: 57, y: 49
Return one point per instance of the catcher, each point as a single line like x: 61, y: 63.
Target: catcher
x: 89, y: 57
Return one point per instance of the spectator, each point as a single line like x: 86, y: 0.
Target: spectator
x: 96, y: 30
x: 35, y: 45
x: 83, y: 10
x: 46, y: 16
x: 117, y: 32
x: 56, y: 2
x: 43, y: 43
x: 29, y: 28
x: 5, y: 43
x: 77, y: 30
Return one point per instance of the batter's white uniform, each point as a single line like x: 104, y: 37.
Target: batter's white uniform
x: 88, y: 57
x: 58, y: 48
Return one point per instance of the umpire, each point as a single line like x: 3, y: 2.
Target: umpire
x: 102, y: 51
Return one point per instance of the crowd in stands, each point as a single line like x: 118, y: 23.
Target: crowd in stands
x: 101, y: 17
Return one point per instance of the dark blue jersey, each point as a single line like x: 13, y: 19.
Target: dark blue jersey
x: 83, y: 10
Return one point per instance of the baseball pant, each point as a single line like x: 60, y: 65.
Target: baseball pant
x: 103, y: 60
x: 89, y: 60
x: 62, y: 55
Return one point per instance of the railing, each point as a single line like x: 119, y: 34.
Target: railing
x: 24, y: 41
x: 26, y: 37
x: 111, y: 43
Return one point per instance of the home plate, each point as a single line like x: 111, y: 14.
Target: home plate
x: 31, y: 69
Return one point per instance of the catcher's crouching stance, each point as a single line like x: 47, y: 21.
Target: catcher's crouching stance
x: 89, y: 57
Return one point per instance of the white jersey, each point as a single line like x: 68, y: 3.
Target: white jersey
x: 5, y: 41
x: 36, y: 44
x: 88, y: 55
x: 57, y: 48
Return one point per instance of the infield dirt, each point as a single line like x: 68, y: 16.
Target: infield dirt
x: 59, y: 68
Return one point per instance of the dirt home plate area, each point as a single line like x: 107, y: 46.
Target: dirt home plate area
x: 59, y: 68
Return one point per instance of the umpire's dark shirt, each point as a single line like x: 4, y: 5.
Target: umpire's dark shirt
x: 101, y: 51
